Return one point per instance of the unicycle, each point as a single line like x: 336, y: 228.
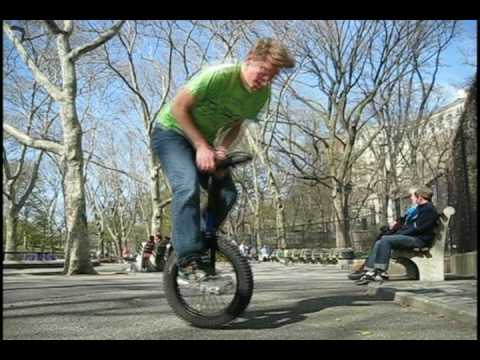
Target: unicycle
x: 226, y: 288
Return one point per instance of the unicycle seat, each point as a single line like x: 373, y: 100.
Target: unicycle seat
x: 233, y: 159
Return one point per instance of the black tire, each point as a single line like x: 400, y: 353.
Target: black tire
x: 241, y: 298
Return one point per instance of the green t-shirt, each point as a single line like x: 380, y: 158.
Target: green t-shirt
x: 221, y: 100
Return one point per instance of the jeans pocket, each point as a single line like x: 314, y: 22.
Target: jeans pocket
x: 160, y: 136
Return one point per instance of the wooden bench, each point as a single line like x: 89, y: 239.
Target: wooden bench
x: 316, y: 256
x: 306, y: 256
x: 427, y: 263
x: 331, y: 256
x: 283, y: 256
x: 295, y: 255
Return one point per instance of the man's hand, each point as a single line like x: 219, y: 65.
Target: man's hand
x: 221, y: 152
x: 206, y: 159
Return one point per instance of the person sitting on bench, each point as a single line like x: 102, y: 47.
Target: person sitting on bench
x: 416, y: 234
x: 409, y: 216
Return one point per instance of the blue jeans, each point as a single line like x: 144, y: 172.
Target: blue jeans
x: 380, y: 255
x: 177, y: 156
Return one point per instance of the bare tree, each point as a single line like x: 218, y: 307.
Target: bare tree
x: 30, y: 104
x: 351, y: 63
x: 141, y: 82
x: 77, y: 254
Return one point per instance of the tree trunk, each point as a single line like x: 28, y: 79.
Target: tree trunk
x: 25, y: 241
x: 52, y: 244
x: 258, y: 202
x: 280, y: 212
x: 384, y: 198
x: 75, y: 208
x: 155, y: 193
x: 120, y: 246
x: 342, y: 232
x: 384, y: 202
x: 281, y: 232
x: 11, y: 240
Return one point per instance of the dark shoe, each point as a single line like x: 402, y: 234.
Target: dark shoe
x: 366, y: 278
x: 356, y: 275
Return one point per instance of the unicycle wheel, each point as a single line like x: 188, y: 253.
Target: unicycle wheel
x: 215, y: 300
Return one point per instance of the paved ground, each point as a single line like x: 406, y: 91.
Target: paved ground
x: 294, y: 302
x: 454, y: 299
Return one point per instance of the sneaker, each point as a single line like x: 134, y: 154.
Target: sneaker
x: 356, y: 275
x: 193, y: 270
x: 366, y: 278
x: 384, y: 276
x: 373, y: 276
x: 185, y: 275
x: 217, y: 284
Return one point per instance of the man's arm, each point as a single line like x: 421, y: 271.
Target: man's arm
x: 181, y: 108
x: 222, y: 149
x: 427, y: 221
x: 232, y: 134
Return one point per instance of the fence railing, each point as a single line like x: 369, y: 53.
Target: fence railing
x: 362, y: 231
x: 34, y: 255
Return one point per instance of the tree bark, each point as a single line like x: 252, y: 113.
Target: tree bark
x: 156, y: 221
x: 342, y: 223
x: 258, y: 203
x: 11, y: 224
x: 75, y: 207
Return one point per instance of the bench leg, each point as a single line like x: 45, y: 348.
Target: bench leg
x: 410, y: 267
x: 431, y: 269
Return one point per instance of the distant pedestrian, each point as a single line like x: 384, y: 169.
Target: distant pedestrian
x: 148, y: 250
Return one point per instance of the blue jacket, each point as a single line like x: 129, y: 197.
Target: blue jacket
x: 423, y: 225
x: 411, y: 214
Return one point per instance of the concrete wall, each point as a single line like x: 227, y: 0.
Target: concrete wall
x: 464, y: 264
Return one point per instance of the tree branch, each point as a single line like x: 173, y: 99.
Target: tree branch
x: 52, y: 89
x: 100, y: 40
x: 119, y: 171
x: 41, y: 144
x: 53, y: 27
x: 32, y: 181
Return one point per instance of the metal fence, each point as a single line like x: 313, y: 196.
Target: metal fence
x: 363, y: 231
x: 33, y: 255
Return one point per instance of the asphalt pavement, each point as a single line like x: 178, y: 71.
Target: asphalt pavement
x: 304, y: 301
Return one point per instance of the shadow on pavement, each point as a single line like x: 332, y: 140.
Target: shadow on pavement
x: 278, y: 317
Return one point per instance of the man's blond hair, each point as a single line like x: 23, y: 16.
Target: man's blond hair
x: 275, y: 49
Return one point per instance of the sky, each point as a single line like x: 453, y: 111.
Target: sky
x: 455, y: 73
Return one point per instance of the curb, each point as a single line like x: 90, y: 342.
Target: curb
x: 423, y: 303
